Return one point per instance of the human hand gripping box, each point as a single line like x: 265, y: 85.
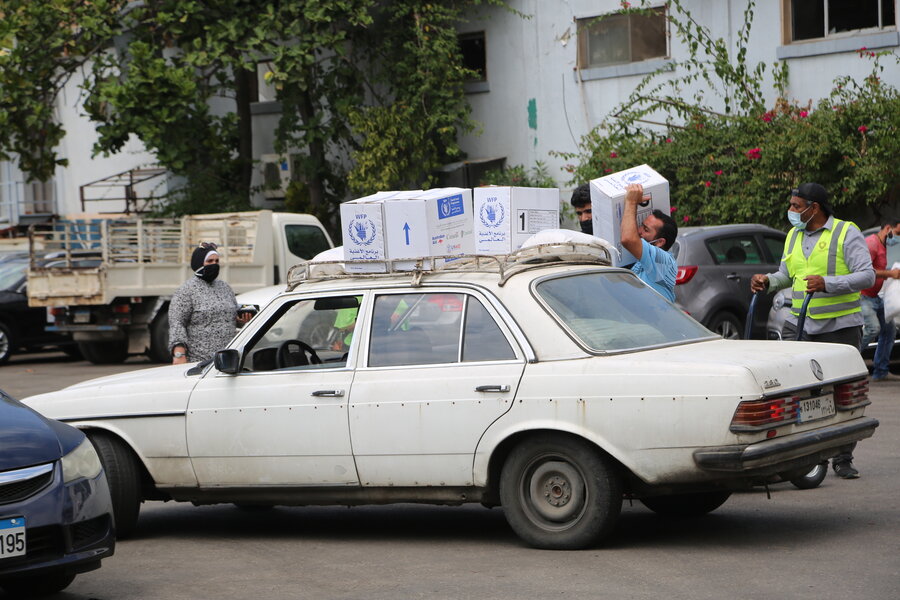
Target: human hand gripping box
x: 608, y: 204
x: 410, y: 224
x: 507, y: 216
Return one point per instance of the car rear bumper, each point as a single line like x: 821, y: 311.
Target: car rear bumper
x: 775, y: 452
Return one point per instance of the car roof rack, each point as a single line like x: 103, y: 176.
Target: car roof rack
x: 506, y: 265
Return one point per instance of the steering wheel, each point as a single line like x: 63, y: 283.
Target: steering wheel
x: 293, y: 353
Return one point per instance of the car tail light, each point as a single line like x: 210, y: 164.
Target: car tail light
x: 121, y: 308
x: 58, y: 311
x: 755, y: 415
x: 852, y: 394
x: 685, y: 274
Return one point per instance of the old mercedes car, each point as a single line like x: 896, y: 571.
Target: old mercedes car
x: 546, y: 382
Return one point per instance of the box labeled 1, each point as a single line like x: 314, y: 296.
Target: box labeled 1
x: 608, y: 204
x: 436, y: 222
x: 507, y: 216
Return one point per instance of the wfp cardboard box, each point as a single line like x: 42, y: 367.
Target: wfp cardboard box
x: 507, y: 216
x: 409, y: 224
x: 608, y: 203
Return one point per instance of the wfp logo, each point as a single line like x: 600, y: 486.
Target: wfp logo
x: 635, y: 177
x: 361, y: 231
x: 492, y: 215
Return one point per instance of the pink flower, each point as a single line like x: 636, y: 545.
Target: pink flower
x: 767, y: 118
x: 718, y: 172
x: 672, y: 210
x: 626, y: 4
x: 668, y: 140
x: 613, y: 155
x: 685, y: 219
x: 803, y: 114
x: 862, y: 129
x: 863, y: 49
x: 872, y: 54
x: 707, y: 183
x: 607, y: 170
x: 753, y: 153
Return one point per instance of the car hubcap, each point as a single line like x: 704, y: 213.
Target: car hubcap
x: 4, y: 344
x: 728, y: 331
x: 555, y: 491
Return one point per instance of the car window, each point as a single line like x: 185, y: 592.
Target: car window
x: 305, y: 241
x: 415, y: 329
x: 482, y: 337
x: 307, y: 334
x: 614, y: 311
x: 11, y: 273
x: 736, y: 250
x: 775, y: 246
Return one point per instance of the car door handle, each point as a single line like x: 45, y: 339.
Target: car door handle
x: 492, y: 388
x: 733, y: 277
x: 329, y: 393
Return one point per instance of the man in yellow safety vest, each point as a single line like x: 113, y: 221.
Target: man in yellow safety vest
x: 828, y: 257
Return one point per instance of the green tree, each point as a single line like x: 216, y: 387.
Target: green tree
x: 738, y: 162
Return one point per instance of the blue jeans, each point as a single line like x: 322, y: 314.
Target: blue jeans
x: 876, y: 326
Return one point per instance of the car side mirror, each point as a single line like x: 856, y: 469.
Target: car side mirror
x: 228, y: 361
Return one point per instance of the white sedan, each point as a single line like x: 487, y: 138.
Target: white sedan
x: 546, y: 382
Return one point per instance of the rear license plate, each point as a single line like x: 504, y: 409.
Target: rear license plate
x: 82, y: 316
x: 812, y: 409
x: 12, y: 537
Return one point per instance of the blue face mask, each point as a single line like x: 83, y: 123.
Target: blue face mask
x: 892, y: 240
x: 796, y: 218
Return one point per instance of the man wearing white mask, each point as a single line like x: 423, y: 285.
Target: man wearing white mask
x: 875, y: 325
x: 828, y: 257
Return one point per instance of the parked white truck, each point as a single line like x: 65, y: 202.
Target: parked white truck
x: 112, y: 289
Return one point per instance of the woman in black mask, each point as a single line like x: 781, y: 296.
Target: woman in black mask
x: 203, y: 313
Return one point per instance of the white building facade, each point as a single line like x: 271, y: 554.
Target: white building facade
x: 551, y: 78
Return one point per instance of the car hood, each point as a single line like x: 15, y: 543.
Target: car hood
x: 160, y: 390
x: 25, y: 437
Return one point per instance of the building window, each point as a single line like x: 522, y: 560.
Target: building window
x: 617, y: 39
x: 816, y: 19
x: 474, y: 57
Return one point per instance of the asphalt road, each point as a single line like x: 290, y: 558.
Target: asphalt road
x: 841, y: 540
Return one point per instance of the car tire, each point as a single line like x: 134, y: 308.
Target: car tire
x: 6, y: 343
x: 37, y: 585
x: 686, y: 505
x: 159, y: 338
x: 123, y: 475
x: 560, y: 493
x: 110, y: 352
x: 727, y: 325
x: 813, y: 478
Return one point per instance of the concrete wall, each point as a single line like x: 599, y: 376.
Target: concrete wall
x: 536, y: 100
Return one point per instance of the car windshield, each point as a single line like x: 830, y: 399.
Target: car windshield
x: 11, y: 273
x: 615, y: 312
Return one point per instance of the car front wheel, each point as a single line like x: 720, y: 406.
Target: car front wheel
x: 727, y: 325
x: 6, y: 343
x: 560, y: 493
x: 813, y: 478
x: 122, y: 473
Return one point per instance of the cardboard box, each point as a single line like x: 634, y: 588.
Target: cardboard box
x: 409, y: 224
x: 507, y: 216
x: 608, y: 203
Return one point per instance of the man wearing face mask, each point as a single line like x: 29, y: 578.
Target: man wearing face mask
x: 203, y: 313
x: 875, y: 324
x: 829, y: 257
x: 649, y: 243
x: 581, y: 201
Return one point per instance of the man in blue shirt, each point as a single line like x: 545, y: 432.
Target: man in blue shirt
x: 649, y: 243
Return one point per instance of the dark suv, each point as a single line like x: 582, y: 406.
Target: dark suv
x: 715, y: 265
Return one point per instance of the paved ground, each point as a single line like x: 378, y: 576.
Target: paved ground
x: 839, y: 541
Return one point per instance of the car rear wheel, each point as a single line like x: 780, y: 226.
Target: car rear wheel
x: 123, y: 475
x: 686, y: 505
x: 6, y: 343
x: 37, y: 585
x: 813, y: 478
x: 560, y: 493
x: 727, y: 325
x: 159, y: 338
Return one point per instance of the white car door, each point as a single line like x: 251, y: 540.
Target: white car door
x: 283, y: 419
x: 440, y: 368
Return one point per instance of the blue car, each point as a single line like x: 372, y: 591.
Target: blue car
x: 55, y: 510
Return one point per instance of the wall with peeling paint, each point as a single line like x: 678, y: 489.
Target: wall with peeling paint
x: 536, y: 100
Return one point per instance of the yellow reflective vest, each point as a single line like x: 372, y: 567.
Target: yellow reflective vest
x: 826, y: 259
